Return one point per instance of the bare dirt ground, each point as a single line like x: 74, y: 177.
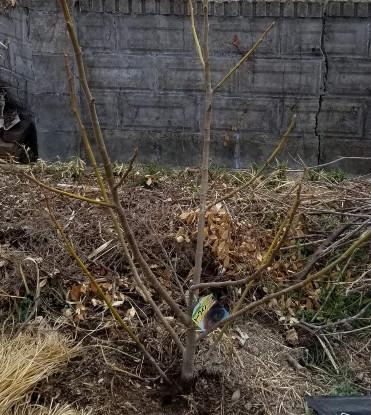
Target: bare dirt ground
x: 268, y: 362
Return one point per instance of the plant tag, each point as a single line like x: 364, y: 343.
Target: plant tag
x: 208, y: 312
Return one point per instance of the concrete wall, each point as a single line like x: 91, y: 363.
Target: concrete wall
x: 147, y: 81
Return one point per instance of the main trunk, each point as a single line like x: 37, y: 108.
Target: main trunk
x: 190, y: 349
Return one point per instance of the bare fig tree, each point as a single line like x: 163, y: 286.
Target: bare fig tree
x: 109, y: 200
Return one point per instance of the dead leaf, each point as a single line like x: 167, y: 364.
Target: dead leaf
x: 184, y: 216
x: 77, y: 291
x: 80, y: 312
x: 99, y: 250
x: 130, y: 313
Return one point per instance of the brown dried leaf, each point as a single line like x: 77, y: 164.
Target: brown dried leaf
x: 77, y: 291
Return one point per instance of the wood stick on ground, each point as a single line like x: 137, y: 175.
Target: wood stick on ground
x: 319, y: 253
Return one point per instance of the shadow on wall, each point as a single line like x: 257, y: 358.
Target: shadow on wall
x: 18, y: 136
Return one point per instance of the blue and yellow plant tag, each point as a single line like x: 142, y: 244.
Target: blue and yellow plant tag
x: 208, y: 312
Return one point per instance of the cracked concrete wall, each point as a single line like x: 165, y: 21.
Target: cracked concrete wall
x: 148, y: 85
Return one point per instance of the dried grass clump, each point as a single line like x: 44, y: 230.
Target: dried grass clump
x: 28, y: 409
x: 25, y: 360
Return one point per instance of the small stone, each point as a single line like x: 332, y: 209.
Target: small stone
x: 248, y: 406
x: 236, y: 395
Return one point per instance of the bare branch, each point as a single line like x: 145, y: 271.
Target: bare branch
x: 83, y: 132
x: 189, y: 355
x: 281, y: 144
x: 339, y: 322
x: 272, y: 251
x: 319, y: 253
x: 244, y: 58
x: 128, y: 170
x: 319, y: 166
x: 195, y: 35
x: 97, y: 202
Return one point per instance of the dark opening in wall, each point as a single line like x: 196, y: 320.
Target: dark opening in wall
x: 18, y: 136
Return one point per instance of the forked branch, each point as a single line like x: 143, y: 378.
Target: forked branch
x: 244, y: 58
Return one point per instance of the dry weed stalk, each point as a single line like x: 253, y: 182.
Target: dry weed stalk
x: 26, y: 360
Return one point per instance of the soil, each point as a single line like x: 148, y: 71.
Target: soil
x: 254, y: 370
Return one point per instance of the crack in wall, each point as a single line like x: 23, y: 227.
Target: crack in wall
x: 324, y: 82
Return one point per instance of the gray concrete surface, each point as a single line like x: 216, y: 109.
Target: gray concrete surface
x: 148, y: 84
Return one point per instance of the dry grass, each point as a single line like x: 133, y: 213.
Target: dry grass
x: 28, y: 409
x: 259, y: 370
x: 27, y: 359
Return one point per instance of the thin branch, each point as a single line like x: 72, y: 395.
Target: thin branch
x: 83, y: 132
x: 357, y: 281
x: 97, y: 202
x: 195, y: 35
x: 319, y: 166
x: 245, y: 58
x: 319, y: 253
x: 284, y: 229
x: 119, y: 370
x: 346, y: 238
x: 189, y: 355
x: 89, y: 98
x: 11, y: 168
x: 128, y: 170
x: 281, y: 144
x: 339, y: 322
x: 151, y: 277
x: 205, y: 157
x: 349, y: 331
